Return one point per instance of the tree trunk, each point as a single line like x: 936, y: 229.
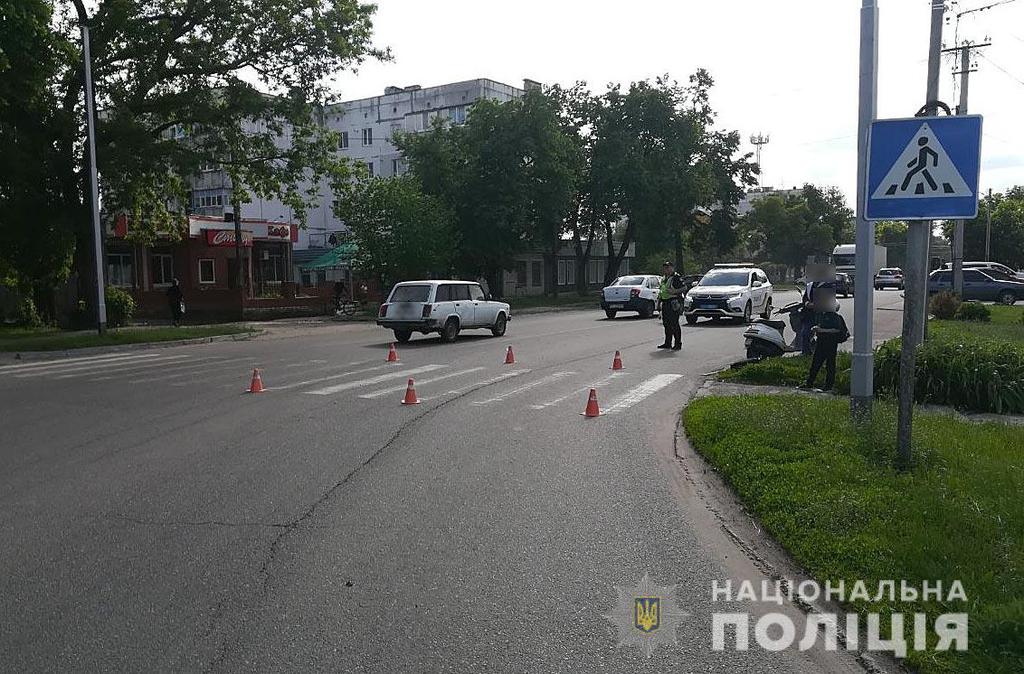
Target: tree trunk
x: 677, y: 242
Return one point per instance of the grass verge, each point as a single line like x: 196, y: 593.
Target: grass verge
x: 1006, y: 324
x: 48, y: 339
x: 828, y: 492
x: 789, y: 371
x: 568, y: 300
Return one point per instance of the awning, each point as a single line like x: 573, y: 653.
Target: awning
x: 339, y: 256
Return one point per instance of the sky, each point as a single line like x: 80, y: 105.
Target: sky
x: 787, y: 69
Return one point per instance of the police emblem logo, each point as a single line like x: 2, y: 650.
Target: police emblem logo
x: 646, y: 615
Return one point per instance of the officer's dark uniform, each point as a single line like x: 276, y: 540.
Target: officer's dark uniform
x: 671, y: 307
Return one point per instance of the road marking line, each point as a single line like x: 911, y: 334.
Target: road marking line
x: 525, y: 387
x: 486, y: 382
x: 372, y: 380
x: 189, y: 369
x: 74, y: 362
x: 333, y: 376
x: 98, y: 367
x: 596, y: 384
x: 119, y: 369
x: 639, y: 393
x: 396, y: 389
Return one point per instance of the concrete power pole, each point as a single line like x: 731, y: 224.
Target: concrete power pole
x: 862, y: 380
x: 916, y: 272
x: 988, y: 227
x: 958, y: 231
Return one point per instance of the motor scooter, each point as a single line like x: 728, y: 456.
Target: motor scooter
x: 765, y: 338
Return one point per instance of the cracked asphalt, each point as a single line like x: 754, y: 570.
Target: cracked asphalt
x: 157, y: 518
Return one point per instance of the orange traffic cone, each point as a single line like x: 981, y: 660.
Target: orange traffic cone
x: 392, y: 354
x: 592, y: 409
x: 410, y: 395
x: 510, y: 358
x: 256, y: 386
x: 617, y: 362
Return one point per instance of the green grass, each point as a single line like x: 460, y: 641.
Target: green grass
x: 830, y: 495
x: 789, y: 371
x: 567, y: 300
x: 50, y: 339
x: 1005, y: 325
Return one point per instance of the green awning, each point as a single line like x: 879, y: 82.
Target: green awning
x: 339, y: 256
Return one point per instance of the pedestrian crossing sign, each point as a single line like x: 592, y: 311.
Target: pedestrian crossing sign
x: 923, y: 168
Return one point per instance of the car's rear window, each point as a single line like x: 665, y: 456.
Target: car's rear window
x: 630, y: 281
x: 888, y: 272
x: 410, y: 294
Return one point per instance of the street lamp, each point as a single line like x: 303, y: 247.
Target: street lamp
x: 90, y: 122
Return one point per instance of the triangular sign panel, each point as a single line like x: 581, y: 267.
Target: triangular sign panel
x: 923, y: 170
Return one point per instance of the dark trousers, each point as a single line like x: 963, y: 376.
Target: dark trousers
x: 824, y: 354
x: 670, y: 319
x: 806, y: 323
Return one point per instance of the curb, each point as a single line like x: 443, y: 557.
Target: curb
x: 116, y: 348
x: 550, y: 310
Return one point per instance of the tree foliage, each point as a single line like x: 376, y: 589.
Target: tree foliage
x: 1007, y: 244
x: 402, y: 233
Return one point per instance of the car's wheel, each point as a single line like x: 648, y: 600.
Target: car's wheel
x: 403, y: 336
x: 648, y: 310
x: 609, y: 313
x: 499, y: 326
x: 1007, y: 297
x: 747, y: 310
x: 767, y: 309
x: 691, y: 319
x: 450, y: 330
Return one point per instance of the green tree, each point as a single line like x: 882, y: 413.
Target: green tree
x: 1007, y: 244
x: 183, y: 83
x: 35, y: 233
x: 402, y: 233
x: 893, y: 235
x: 787, y: 231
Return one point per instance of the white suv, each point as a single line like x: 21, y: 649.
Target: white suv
x: 445, y: 307
x: 729, y: 291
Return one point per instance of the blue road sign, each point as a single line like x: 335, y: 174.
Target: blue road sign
x: 923, y: 168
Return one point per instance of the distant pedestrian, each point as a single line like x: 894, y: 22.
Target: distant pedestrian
x: 831, y: 331
x: 671, y: 295
x: 176, y: 302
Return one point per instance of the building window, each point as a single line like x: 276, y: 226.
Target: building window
x: 208, y: 200
x: 369, y: 167
x: 163, y: 269
x: 520, y: 274
x: 119, y: 270
x: 595, y: 271
x: 208, y: 167
x: 207, y: 271
x: 566, y: 272
x: 395, y: 167
x: 343, y: 141
x: 426, y: 120
x: 457, y: 114
x: 367, y: 136
x: 537, y: 274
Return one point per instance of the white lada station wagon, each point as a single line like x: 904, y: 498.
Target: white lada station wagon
x: 444, y: 307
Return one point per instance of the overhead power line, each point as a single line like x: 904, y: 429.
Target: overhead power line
x: 1003, y: 70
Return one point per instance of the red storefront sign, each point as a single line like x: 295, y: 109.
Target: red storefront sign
x: 226, y: 237
x: 279, y: 232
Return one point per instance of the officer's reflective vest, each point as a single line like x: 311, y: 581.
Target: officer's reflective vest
x: 665, y: 285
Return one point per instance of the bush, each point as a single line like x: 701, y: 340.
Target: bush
x: 976, y: 375
x: 973, y: 311
x: 120, y: 307
x: 944, y: 305
x: 28, y: 315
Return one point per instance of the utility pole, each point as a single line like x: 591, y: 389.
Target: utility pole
x: 988, y: 227
x: 916, y: 274
x: 862, y: 380
x: 94, y: 196
x: 958, y: 230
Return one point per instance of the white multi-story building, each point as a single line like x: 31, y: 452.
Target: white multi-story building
x: 366, y: 127
x: 746, y: 204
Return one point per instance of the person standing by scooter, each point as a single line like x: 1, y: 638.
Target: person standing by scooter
x: 830, y: 332
x: 807, y: 316
x: 671, y: 293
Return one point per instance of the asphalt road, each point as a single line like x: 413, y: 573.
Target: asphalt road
x: 155, y: 517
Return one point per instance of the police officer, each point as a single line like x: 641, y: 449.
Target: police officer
x: 671, y: 295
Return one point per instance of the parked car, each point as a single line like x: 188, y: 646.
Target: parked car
x: 889, y: 277
x: 444, y: 307
x: 729, y: 291
x: 984, y: 266
x: 980, y: 285
x: 636, y: 292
